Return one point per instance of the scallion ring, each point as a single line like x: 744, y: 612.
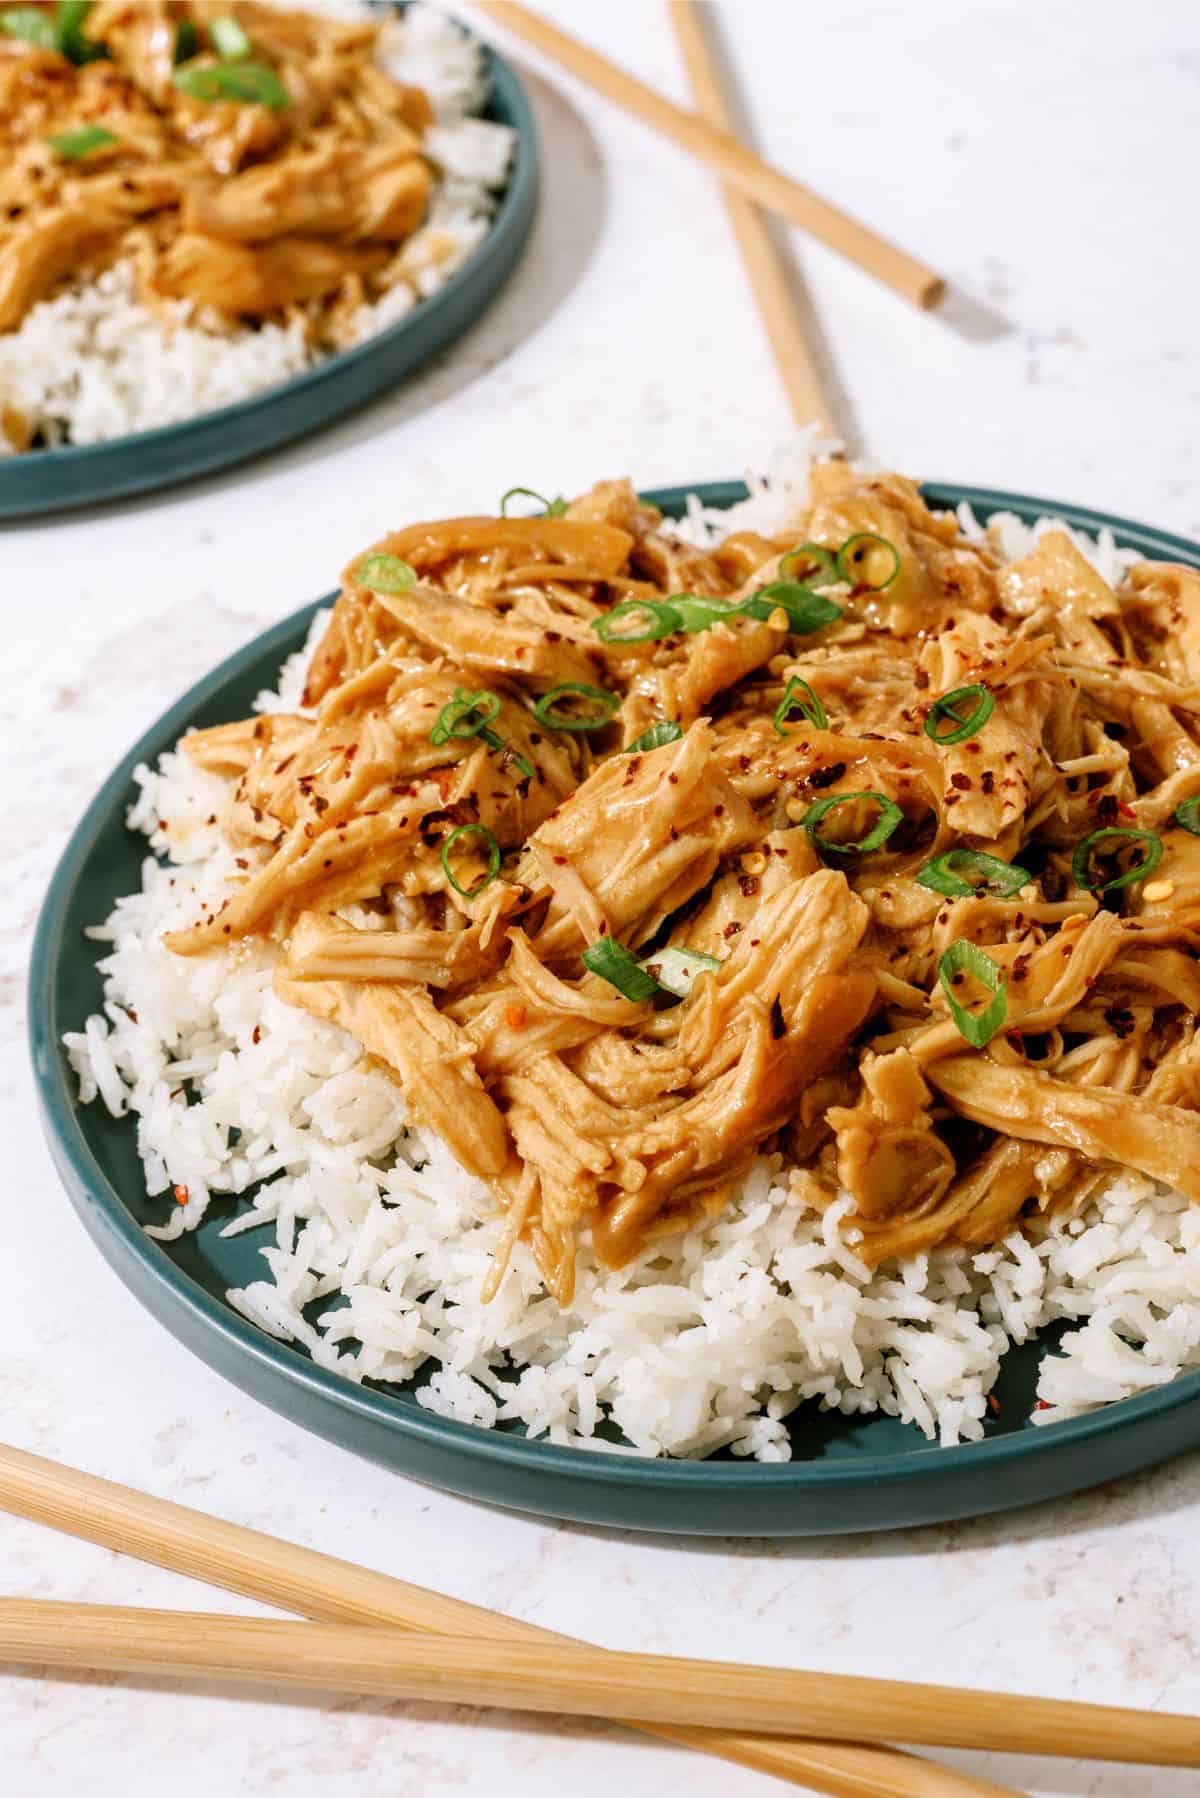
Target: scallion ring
x: 661, y: 620
x: 73, y: 146
x: 69, y: 16
x: 229, y: 40
x: 616, y: 964
x: 384, y: 574
x: 942, y: 875
x: 466, y: 715
x: 798, y: 696
x: 1081, y: 861
x: 859, y: 553
x: 554, y: 718
x: 676, y: 969
x: 1187, y: 816
x: 252, y: 83
x: 699, y: 614
x: 493, y: 854
x: 806, y: 610
x: 551, y: 508
x: 185, y: 41
x: 665, y: 731
x: 30, y: 24
x: 960, y: 728
x: 890, y: 816
x: 968, y: 958
x: 814, y: 560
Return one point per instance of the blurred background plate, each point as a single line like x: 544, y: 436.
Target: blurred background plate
x: 51, y: 480
x: 847, y: 1474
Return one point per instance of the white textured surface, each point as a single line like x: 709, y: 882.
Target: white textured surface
x: 1044, y: 160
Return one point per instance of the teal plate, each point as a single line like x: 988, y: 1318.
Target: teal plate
x: 862, y: 1473
x: 54, y: 479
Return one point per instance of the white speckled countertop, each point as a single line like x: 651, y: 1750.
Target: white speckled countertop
x: 1044, y: 158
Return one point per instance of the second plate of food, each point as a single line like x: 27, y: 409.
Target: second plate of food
x: 613, y: 1219
x: 218, y: 240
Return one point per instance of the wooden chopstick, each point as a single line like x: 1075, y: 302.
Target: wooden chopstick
x: 769, y: 278
x: 321, y: 1586
x: 901, y: 272
x: 576, y: 1680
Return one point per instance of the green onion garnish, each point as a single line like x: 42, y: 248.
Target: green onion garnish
x: 1187, y: 816
x: 968, y: 958
x: 466, y: 715
x: 384, y: 574
x: 863, y: 553
x: 676, y: 969
x: 185, y: 41
x: 493, y: 852
x: 890, y: 816
x: 68, y: 24
x: 551, y: 508
x: 26, y: 22
x: 798, y: 696
x: 699, y: 614
x: 661, y: 619
x: 73, y: 146
x: 806, y: 610
x: 960, y: 728
x: 942, y: 875
x: 250, y: 82
x: 229, y: 40
x: 814, y: 560
x: 1081, y: 861
x: 665, y: 731
x: 554, y: 718
x: 614, y: 963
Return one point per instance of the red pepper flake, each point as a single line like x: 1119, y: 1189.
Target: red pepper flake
x: 961, y: 781
x: 1042, y: 1405
x: 731, y: 930
x: 256, y: 1035
x: 515, y: 1016
x: 181, y: 1194
x: 993, y: 1404
x: 749, y: 885
x: 987, y: 780
x: 1126, y: 811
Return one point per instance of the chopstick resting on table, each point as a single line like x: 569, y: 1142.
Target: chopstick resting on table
x: 294, y: 1578
x: 769, y: 278
x: 893, y: 266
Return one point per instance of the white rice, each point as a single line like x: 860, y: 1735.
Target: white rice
x: 381, y: 1242
x: 94, y: 363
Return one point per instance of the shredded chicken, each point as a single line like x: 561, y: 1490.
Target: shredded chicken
x: 623, y: 898
x: 287, y: 187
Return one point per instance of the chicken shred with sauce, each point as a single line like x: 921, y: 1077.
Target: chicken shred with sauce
x: 863, y: 844
x: 256, y: 161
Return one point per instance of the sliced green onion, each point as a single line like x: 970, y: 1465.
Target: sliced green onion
x: 806, y: 610
x: 465, y: 715
x: 960, y: 728
x: 855, y: 552
x: 493, y: 853
x: 523, y: 765
x: 968, y: 958
x: 250, y: 82
x: 384, y: 574
x: 665, y: 731
x: 942, y: 875
x: 890, y: 816
x: 229, y: 40
x: 1081, y: 861
x: 676, y: 969
x: 1187, y: 816
x: 185, y: 41
x: 27, y: 22
x: 551, y: 508
x: 815, y: 559
x: 661, y: 619
x: 614, y: 963
x: 68, y: 24
x: 554, y: 718
x: 798, y: 696
x: 699, y: 614
x: 73, y: 146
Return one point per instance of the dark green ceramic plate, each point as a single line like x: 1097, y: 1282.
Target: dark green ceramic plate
x: 51, y: 480
x: 847, y: 1474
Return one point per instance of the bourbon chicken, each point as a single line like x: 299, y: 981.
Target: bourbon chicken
x: 865, y: 845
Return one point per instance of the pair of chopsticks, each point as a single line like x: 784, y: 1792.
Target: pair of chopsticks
x: 383, y: 1637
x: 708, y: 135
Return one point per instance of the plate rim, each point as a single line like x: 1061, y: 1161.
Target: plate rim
x: 514, y: 213
x: 86, y: 1182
